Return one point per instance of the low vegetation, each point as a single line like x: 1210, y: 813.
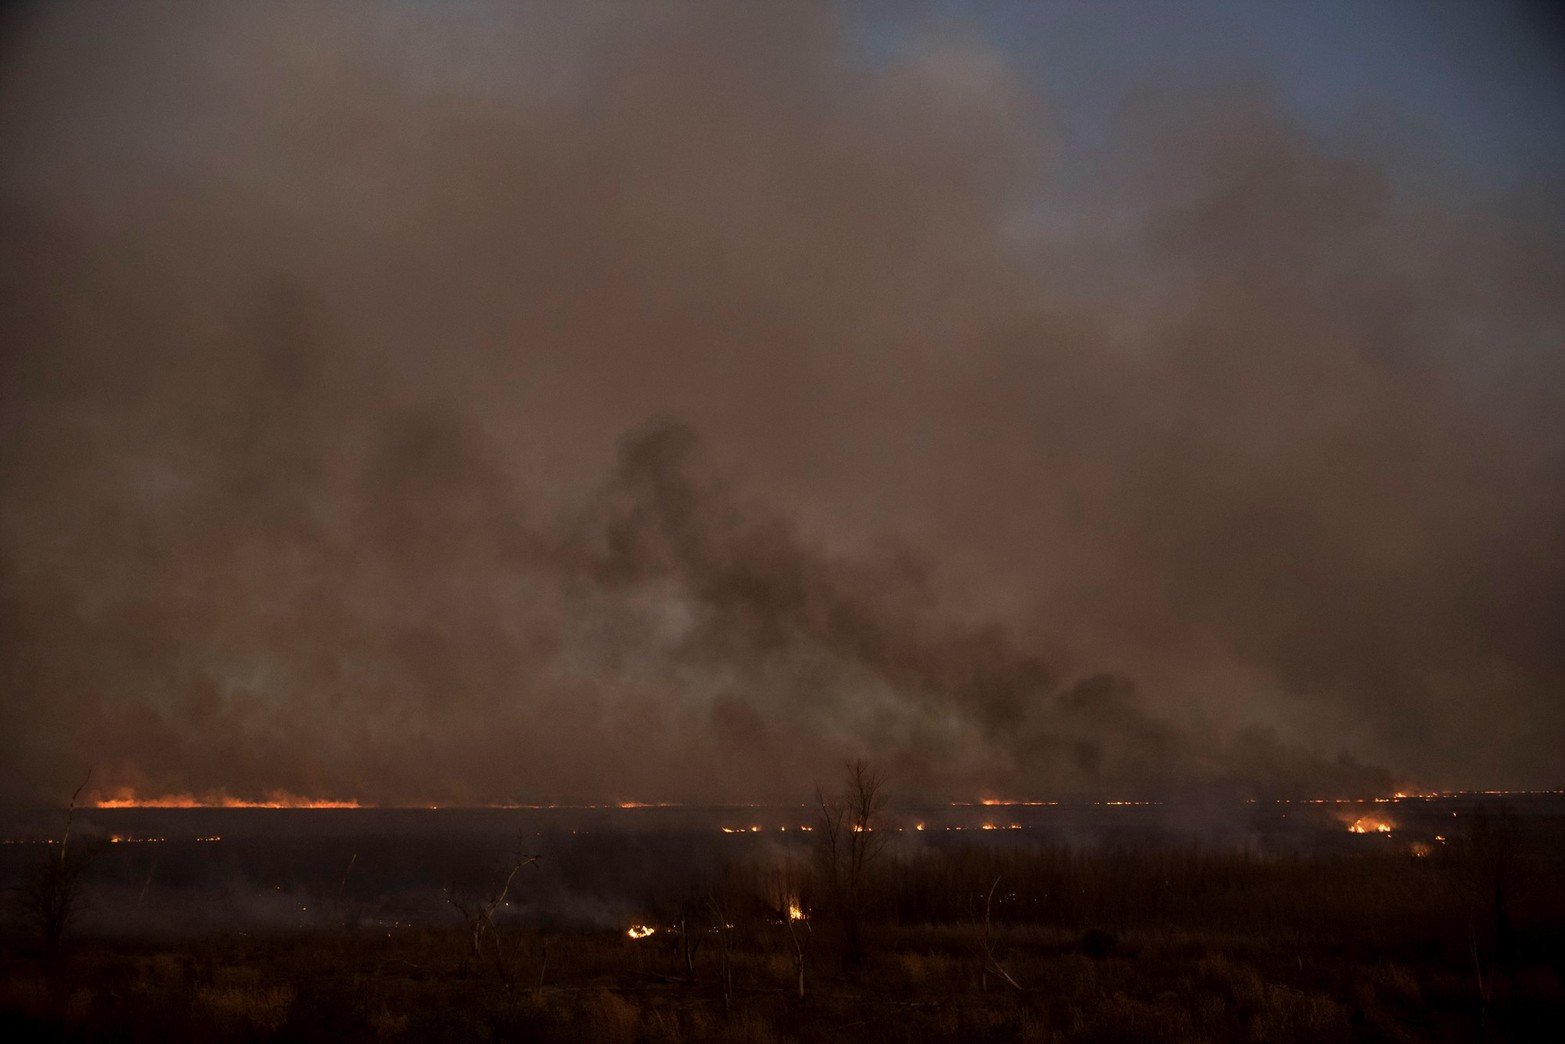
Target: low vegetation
x: 955, y: 937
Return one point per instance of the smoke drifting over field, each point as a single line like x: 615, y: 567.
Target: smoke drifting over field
x: 460, y: 403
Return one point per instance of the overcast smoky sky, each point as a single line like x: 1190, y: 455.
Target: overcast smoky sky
x: 461, y: 403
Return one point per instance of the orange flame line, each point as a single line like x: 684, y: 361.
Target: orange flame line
x: 126, y: 798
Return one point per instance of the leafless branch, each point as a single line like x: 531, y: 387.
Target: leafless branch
x: 991, y: 962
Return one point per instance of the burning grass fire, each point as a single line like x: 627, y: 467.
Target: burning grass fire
x: 1371, y: 825
x: 128, y: 798
x: 761, y: 902
x: 963, y: 521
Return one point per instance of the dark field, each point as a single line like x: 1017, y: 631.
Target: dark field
x: 1093, y: 922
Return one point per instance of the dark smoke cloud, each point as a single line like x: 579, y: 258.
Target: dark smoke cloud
x: 336, y: 341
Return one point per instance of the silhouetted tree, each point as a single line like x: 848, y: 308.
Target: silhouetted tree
x: 478, y: 916
x: 51, y: 893
x: 846, y: 846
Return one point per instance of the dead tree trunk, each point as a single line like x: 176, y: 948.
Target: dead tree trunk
x: 52, y: 892
x: 478, y: 919
x: 991, y: 962
x: 725, y: 969
x: 798, y: 948
x: 846, y: 848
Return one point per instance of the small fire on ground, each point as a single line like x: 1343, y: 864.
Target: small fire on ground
x: 1370, y: 825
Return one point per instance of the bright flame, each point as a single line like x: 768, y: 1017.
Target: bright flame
x: 639, y: 931
x: 795, y: 912
x: 1370, y: 825
x: 128, y: 798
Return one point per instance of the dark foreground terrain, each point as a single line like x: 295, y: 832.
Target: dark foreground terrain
x: 354, y: 933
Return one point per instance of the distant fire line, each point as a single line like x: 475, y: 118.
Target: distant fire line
x: 126, y: 798
x: 274, y: 799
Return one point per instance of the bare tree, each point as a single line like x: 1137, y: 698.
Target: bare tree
x: 478, y: 916
x: 1496, y: 874
x: 991, y: 962
x: 847, y: 844
x: 52, y: 892
x: 345, y: 913
x: 687, y: 940
x: 724, y: 928
x: 785, y: 893
x: 794, y: 918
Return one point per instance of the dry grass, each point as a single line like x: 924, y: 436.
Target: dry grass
x: 922, y: 984
x: 1113, y: 947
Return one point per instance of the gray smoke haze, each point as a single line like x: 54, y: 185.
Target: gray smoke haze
x: 432, y: 402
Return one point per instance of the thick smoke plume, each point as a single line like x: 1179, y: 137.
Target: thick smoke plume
x: 421, y: 402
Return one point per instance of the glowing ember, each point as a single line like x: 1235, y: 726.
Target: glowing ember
x: 639, y: 931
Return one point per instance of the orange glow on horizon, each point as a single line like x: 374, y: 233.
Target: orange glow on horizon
x: 127, y: 798
x: 130, y: 798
